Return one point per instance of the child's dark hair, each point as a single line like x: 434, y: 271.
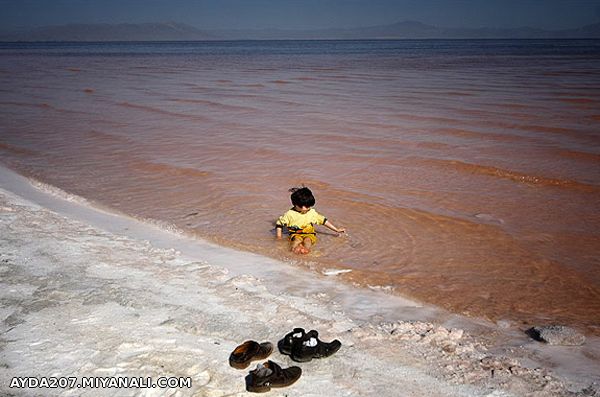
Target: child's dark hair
x: 302, y: 197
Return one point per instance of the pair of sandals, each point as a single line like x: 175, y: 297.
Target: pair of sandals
x: 300, y: 345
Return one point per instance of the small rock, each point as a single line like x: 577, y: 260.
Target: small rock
x: 456, y: 334
x: 557, y: 335
x: 516, y: 370
x: 449, y: 348
x: 490, y: 363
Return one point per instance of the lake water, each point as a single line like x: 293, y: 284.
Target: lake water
x: 466, y: 172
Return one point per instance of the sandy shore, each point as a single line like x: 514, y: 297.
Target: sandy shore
x: 92, y: 294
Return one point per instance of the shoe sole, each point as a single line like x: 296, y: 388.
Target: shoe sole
x: 258, y: 389
x: 264, y: 388
x: 302, y: 360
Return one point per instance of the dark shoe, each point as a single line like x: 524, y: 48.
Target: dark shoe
x: 310, y: 347
x: 285, y: 345
x: 249, y: 351
x: 269, y: 375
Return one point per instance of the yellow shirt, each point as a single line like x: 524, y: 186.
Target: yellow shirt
x: 297, y: 222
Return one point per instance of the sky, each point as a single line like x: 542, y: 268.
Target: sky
x: 303, y: 14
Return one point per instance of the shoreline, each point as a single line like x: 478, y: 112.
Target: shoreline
x: 88, y: 210
x: 236, y: 296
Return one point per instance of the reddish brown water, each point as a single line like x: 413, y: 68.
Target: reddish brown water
x: 467, y: 177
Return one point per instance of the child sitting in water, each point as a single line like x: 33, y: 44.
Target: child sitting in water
x: 300, y: 221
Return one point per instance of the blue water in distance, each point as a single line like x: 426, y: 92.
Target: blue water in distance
x: 538, y: 47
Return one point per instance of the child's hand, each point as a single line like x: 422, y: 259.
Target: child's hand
x: 331, y: 226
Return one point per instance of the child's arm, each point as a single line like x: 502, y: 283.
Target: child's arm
x: 331, y: 226
x: 280, y: 223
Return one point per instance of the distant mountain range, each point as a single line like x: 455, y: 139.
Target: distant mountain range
x: 182, y: 32
x: 110, y: 32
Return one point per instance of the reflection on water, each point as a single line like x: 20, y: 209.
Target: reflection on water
x: 467, y: 173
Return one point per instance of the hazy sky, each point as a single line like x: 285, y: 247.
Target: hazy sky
x: 303, y: 14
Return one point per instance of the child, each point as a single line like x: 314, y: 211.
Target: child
x: 300, y: 221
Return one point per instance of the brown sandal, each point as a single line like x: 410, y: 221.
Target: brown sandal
x: 249, y: 351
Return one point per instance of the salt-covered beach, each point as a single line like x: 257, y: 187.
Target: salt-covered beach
x: 86, y: 293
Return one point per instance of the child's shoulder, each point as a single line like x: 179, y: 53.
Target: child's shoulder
x: 289, y: 213
x: 293, y: 212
